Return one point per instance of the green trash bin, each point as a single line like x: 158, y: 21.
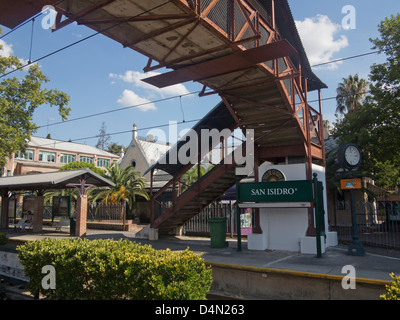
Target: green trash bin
x: 72, y: 227
x: 217, y: 232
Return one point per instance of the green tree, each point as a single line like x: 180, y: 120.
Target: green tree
x: 115, y: 148
x: 19, y: 98
x: 82, y: 165
x: 128, y: 185
x: 191, y: 175
x: 350, y: 94
x: 375, y: 125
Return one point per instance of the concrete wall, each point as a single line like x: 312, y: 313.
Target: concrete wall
x: 275, y: 284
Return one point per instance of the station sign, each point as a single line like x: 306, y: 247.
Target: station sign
x: 280, y: 191
x: 349, y: 184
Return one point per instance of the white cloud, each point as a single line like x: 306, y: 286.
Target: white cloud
x: 5, y: 49
x: 130, y: 98
x: 135, y: 78
x: 318, y: 38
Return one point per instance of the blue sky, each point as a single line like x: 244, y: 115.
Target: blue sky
x: 100, y: 75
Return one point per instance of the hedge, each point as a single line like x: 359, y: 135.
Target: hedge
x: 108, y: 269
x: 392, y: 290
x: 3, y: 238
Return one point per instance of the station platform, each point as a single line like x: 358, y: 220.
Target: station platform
x: 371, y: 270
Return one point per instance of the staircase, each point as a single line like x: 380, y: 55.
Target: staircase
x: 199, y: 195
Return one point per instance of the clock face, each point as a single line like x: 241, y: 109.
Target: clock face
x: 352, y: 156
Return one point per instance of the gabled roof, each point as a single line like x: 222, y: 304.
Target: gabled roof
x: 153, y: 150
x: 53, y: 180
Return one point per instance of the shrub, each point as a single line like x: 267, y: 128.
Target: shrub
x: 108, y: 269
x: 3, y: 238
x: 392, y: 290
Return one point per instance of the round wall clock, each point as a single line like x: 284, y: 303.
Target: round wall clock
x: 350, y: 156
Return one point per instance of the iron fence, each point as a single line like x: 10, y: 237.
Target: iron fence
x: 199, y: 223
x: 106, y: 212
x: 378, y: 223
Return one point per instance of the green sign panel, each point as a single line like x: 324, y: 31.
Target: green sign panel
x: 282, y: 191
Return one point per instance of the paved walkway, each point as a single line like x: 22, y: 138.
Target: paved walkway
x: 376, y: 264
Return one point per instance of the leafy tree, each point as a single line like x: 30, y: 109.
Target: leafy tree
x: 375, y: 125
x: 350, y: 94
x: 128, y: 185
x: 386, y: 76
x: 82, y: 165
x: 50, y: 194
x: 115, y: 148
x: 190, y: 176
x: 19, y: 98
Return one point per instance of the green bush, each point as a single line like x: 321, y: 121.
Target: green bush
x: 108, y: 269
x: 3, y: 238
x: 392, y: 290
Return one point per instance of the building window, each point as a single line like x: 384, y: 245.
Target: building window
x: 103, y: 162
x: 45, y: 156
x: 86, y: 159
x: 67, y: 158
x: 28, y: 155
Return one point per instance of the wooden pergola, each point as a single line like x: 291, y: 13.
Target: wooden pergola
x: 81, y: 179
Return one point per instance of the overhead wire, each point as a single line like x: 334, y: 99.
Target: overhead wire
x: 81, y: 40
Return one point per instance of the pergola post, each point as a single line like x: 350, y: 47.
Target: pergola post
x: 81, y: 215
x: 82, y: 203
x: 4, y: 210
x: 38, y: 214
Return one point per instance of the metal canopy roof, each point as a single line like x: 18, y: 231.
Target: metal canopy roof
x: 218, y: 118
x: 53, y: 180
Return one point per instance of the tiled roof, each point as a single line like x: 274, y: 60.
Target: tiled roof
x: 153, y: 150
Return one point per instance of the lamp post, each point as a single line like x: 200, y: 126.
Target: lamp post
x: 350, y: 159
x: 355, y: 248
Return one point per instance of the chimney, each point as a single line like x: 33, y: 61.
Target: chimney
x: 122, y: 153
x: 134, y: 132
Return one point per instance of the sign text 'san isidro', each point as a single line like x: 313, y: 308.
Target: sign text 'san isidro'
x: 285, y: 191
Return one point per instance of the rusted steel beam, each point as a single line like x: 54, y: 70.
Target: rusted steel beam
x: 162, y: 31
x: 76, y: 16
x: 234, y: 62
x: 285, y: 151
x: 255, y: 103
x: 181, y: 40
x: 134, y: 19
x: 246, y: 16
x: 231, y: 111
x: 207, y: 10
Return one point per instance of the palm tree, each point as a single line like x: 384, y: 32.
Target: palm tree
x: 350, y: 94
x: 50, y: 194
x: 128, y: 185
